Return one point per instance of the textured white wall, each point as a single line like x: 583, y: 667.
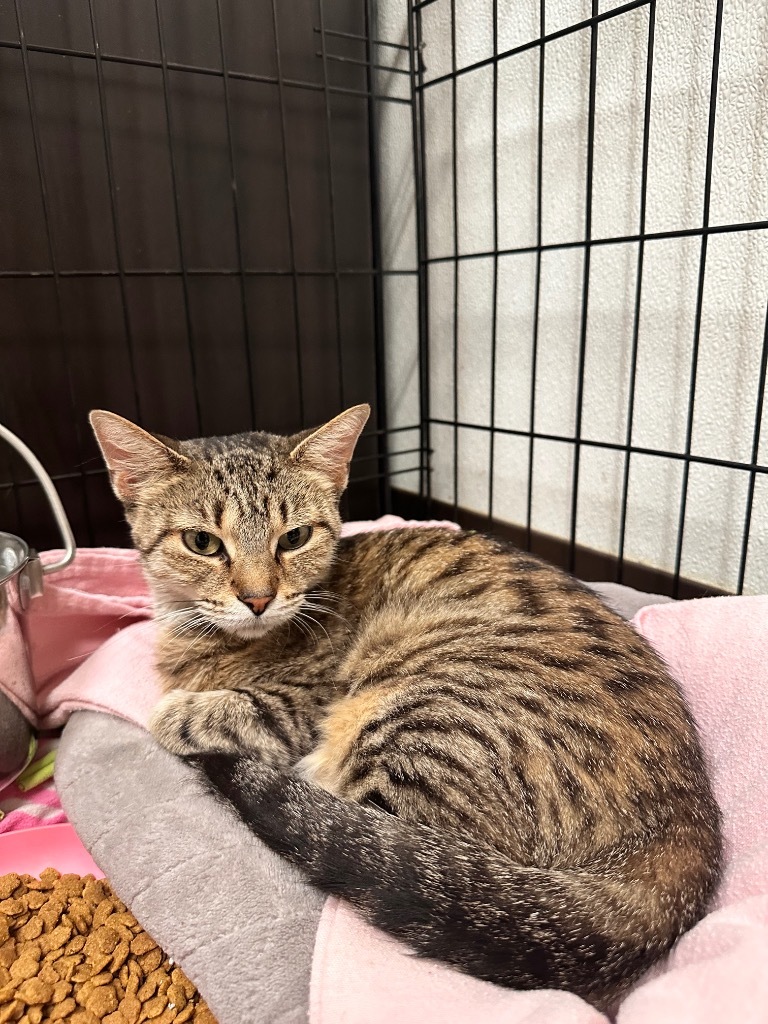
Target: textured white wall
x: 735, y: 288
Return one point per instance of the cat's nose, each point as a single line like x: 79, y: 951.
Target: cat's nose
x: 258, y: 603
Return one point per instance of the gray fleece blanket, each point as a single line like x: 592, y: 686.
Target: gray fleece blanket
x: 240, y: 921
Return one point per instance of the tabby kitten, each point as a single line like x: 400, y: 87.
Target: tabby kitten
x: 458, y: 738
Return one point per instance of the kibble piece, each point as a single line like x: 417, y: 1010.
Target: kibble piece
x: 75, y: 944
x: 130, y: 1007
x: 23, y: 968
x: 70, y: 885
x: 150, y: 961
x: 102, y: 912
x: 102, y: 978
x: 99, y: 961
x: 12, y: 907
x: 53, y: 954
x: 8, y: 884
x: 35, y: 1014
x: 30, y: 930
x: 11, y: 1011
x: 94, y: 891
x: 147, y: 990
x: 154, y: 1007
x: 180, y: 978
x: 142, y: 943
x: 48, y: 973
x: 51, y: 912
x: 49, y: 877
x: 61, y: 989
x: 34, y: 900
x: 8, y: 952
x: 81, y: 913
x: 84, y: 1017
x: 7, y: 992
x: 35, y: 992
x: 5, y: 928
x: 106, y: 939
x: 119, y: 956
x: 167, y: 1016
x: 203, y: 1015
x: 102, y: 1000
x: 58, y: 938
x: 65, y: 966
x: 177, y: 996
x: 135, y: 977
x: 63, y: 1009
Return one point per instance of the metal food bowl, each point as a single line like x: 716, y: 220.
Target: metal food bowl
x: 21, y: 571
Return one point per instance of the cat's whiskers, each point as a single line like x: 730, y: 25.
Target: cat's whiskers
x: 310, y: 618
x: 302, y: 626
x: 324, y: 593
x: 206, y: 632
x: 316, y: 606
x: 192, y: 622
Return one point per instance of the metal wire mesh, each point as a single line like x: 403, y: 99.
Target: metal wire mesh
x: 218, y: 278
x: 567, y: 549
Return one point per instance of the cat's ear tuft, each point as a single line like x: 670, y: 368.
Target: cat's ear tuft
x: 328, y: 449
x: 134, y: 457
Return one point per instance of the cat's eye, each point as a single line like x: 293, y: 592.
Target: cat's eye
x: 202, y: 542
x: 295, y: 538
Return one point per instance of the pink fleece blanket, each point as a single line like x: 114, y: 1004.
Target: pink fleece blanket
x: 71, y: 651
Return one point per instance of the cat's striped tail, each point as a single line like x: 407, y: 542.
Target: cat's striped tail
x: 449, y: 899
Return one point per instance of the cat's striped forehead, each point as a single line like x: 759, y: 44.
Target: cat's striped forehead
x: 249, y: 483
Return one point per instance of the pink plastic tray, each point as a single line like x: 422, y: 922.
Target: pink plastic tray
x: 50, y: 846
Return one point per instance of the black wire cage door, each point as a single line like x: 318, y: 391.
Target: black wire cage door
x: 189, y: 234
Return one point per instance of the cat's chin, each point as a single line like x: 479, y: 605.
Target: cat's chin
x: 252, y: 629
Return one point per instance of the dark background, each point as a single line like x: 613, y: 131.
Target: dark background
x: 192, y: 249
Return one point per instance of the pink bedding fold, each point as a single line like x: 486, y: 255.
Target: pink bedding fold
x: 718, y: 972
x: 47, y: 663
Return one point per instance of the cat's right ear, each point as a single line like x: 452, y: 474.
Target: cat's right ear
x: 134, y: 457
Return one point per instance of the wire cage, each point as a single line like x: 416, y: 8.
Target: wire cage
x: 190, y: 234
x: 532, y: 234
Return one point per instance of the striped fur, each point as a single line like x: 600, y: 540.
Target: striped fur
x: 460, y: 739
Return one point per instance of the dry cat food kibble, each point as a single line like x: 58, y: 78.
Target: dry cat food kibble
x: 70, y: 951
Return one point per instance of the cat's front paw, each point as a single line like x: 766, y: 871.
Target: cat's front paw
x: 187, y: 723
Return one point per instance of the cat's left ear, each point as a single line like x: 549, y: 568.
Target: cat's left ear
x: 329, y: 449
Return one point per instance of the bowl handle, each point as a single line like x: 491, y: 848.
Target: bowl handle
x: 53, y: 500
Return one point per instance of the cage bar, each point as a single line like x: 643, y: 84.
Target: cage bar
x: 538, y: 249
x: 495, y: 282
x: 235, y: 210
x: 638, y: 291
x: 195, y: 69
x: 699, y: 291
x: 585, y: 287
x: 332, y: 207
x: 177, y: 217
